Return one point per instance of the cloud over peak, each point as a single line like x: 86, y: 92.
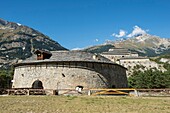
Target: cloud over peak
x: 122, y: 33
x: 137, y: 31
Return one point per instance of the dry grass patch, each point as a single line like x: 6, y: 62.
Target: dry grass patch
x: 83, y: 104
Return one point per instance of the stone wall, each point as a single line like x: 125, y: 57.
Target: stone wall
x: 66, y: 75
x: 142, y: 64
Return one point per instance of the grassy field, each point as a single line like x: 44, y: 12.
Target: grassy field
x: 83, y: 104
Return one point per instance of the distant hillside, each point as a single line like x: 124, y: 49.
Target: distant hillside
x: 18, y: 41
x: 99, y: 48
x: 144, y: 45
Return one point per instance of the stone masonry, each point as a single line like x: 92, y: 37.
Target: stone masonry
x: 60, y: 74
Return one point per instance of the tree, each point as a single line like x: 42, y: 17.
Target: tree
x: 6, y: 77
x: 149, y: 79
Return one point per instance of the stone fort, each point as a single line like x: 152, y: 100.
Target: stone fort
x: 68, y: 70
x: 130, y: 59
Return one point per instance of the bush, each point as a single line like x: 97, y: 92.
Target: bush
x: 6, y: 77
x: 150, y: 79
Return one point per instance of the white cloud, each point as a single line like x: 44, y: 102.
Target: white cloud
x: 122, y: 33
x: 137, y: 31
x: 96, y: 40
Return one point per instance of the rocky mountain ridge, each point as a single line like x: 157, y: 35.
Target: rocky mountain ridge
x: 144, y: 45
x: 18, y: 41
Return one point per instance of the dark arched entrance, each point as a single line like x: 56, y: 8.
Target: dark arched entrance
x: 113, y: 86
x: 37, y: 85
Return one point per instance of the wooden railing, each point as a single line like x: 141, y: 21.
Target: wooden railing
x: 130, y: 92
x: 93, y: 92
x: 120, y: 91
x: 25, y: 91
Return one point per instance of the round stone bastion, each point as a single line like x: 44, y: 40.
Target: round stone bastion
x: 68, y: 70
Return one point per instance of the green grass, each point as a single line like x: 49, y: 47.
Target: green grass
x: 83, y: 104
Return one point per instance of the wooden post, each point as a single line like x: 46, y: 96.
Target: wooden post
x: 28, y: 92
x: 8, y: 91
x: 136, y: 93
x: 89, y: 92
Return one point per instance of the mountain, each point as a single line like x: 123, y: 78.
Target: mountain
x: 18, y: 41
x: 99, y: 48
x: 144, y: 45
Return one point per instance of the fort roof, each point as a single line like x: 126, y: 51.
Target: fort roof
x: 69, y: 56
x: 118, y: 51
x: 77, y: 56
x: 131, y: 58
x: 115, y: 53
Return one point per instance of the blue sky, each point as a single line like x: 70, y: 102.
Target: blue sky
x: 82, y: 23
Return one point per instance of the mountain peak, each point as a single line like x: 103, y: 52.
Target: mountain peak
x: 146, y: 44
x: 18, y: 41
x: 141, y: 37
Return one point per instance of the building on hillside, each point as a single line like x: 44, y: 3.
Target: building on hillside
x: 115, y: 54
x: 68, y: 70
x: 126, y: 61
x: 130, y: 60
x: 143, y: 63
x: 165, y: 60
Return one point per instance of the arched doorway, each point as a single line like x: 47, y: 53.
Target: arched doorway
x: 37, y: 84
x: 113, y: 86
x: 79, y: 88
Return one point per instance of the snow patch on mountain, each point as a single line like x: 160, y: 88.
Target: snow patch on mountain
x: 19, y: 24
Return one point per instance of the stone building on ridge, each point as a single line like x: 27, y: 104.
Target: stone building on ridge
x: 130, y: 59
x: 115, y: 54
